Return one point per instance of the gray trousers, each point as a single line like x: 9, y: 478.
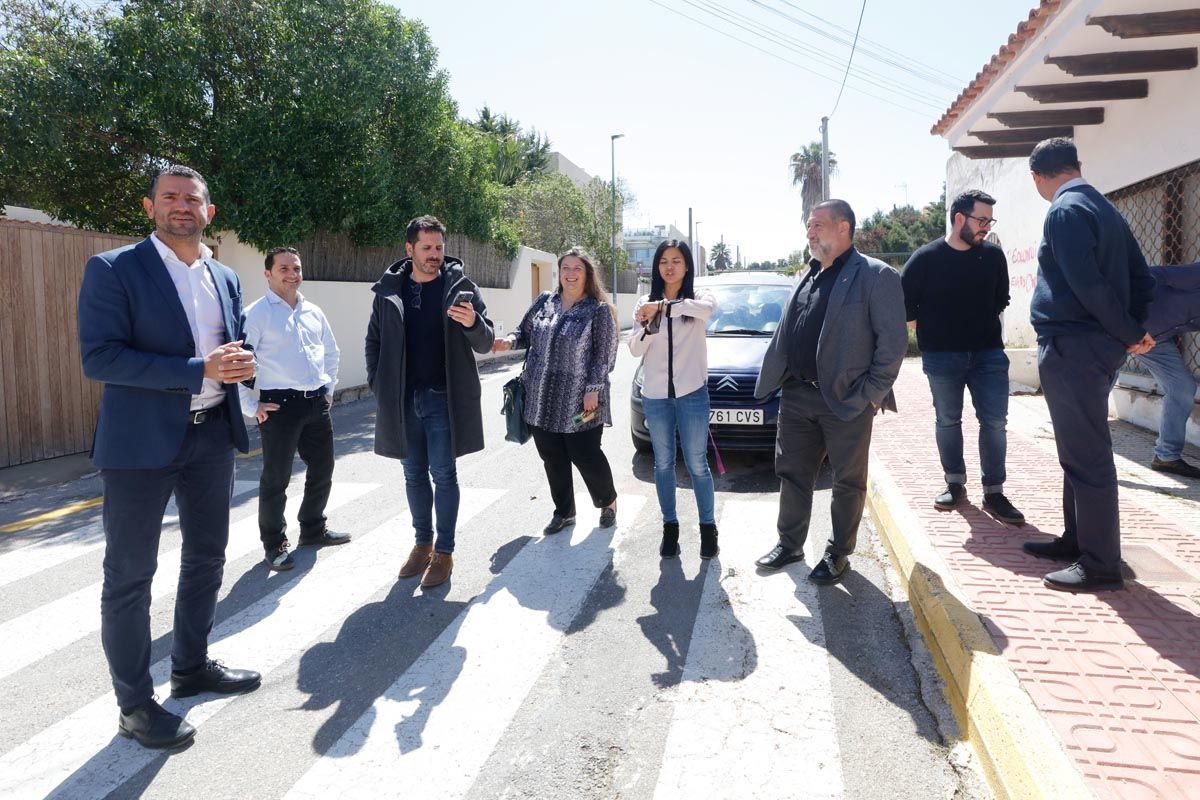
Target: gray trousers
x: 1077, y: 374
x: 808, y: 431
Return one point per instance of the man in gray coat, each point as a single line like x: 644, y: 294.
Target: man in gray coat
x: 836, y: 354
x: 427, y: 322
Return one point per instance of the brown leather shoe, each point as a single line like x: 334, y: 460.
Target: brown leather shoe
x: 417, y: 560
x: 439, y: 569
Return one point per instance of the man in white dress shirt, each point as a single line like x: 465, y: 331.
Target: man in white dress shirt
x: 297, y: 370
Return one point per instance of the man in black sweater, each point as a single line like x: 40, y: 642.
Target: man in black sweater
x: 955, y: 289
x: 1093, y: 292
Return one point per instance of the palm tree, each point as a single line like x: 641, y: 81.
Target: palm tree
x: 806, y: 172
x: 719, y: 258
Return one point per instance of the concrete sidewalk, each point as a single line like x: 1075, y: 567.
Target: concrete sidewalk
x: 1064, y: 696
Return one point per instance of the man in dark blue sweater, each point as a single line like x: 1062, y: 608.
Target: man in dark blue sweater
x: 1092, y: 295
x: 955, y: 289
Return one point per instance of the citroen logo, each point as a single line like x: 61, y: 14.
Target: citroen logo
x: 728, y: 382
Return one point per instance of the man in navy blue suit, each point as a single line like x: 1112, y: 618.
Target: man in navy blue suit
x: 160, y: 325
x: 1089, y: 308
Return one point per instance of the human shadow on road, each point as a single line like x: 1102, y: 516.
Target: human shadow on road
x: 675, y: 600
x: 376, y: 651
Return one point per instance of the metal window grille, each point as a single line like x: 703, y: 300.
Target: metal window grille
x: 1164, y: 214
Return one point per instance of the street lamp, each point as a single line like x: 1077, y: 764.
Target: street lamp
x: 696, y: 249
x: 613, y: 149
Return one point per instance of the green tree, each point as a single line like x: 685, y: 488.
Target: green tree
x: 805, y: 166
x: 895, y: 234
x: 303, y: 115
x: 598, y: 195
x: 719, y: 257
x: 517, y: 153
x: 550, y: 213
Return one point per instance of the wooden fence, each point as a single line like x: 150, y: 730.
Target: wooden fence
x: 332, y: 257
x: 47, y: 407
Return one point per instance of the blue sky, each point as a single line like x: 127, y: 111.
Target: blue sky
x: 710, y: 122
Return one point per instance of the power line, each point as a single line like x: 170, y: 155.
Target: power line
x: 853, y: 45
x: 740, y: 21
x: 905, y: 63
x: 808, y: 69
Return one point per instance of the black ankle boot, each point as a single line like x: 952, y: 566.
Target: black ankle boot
x: 708, y: 540
x: 670, y: 541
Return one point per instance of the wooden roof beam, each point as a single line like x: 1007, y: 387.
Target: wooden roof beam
x: 996, y: 150
x: 1022, y: 135
x: 1061, y: 116
x: 1127, y: 62
x: 1088, y: 91
x: 1156, y: 23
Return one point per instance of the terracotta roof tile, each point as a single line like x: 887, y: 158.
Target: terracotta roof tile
x: 1038, y: 18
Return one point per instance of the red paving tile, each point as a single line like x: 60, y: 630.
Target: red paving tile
x: 1118, y: 675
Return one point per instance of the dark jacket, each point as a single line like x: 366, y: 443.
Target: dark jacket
x: 862, y: 343
x: 135, y: 338
x: 1092, y: 277
x: 386, y: 367
x: 1176, y: 305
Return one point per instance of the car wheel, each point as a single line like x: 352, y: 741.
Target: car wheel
x: 641, y: 445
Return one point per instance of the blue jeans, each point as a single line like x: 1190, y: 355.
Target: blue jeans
x: 430, y: 453
x: 1165, y: 363
x: 985, y: 374
x: 689, y: 416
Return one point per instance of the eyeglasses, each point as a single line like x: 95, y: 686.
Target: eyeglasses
x: 414, y: 295
x: 984, y: 222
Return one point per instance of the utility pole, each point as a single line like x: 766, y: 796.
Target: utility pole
x: 691, y: 234
x: 613, y: 148
x: 824, y: 158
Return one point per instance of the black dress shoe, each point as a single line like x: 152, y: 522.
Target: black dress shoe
x: 955, y: 493
x: 214, y: 677
x: 557, y: 523
x: 1077, y: 579
x: 829, y: 570
x: 151, y: 725
x: 1056, y: 549
x: 779, y: 558
x: 708, y: 540
x: 324, y: 538
x: 608, y: 517
x: 1177, y: 467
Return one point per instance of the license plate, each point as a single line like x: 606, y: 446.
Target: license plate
x: 735, y: 416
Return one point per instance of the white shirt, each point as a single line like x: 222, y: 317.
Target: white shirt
x: 1071, y: 184
x: 690, y: 357
x: 294, y: 347
x: 198, y: 294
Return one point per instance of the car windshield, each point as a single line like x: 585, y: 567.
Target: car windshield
x: 747, y: 309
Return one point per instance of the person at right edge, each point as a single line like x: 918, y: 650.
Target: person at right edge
x: 955, y: 289
x: 1092, y: 296
x: 836, y: 353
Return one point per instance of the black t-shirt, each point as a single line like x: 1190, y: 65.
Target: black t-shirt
x: 424, y: 334
x: 956, y: 296
x: 808, y: 316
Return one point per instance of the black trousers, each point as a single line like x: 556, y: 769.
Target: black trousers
x: 808, y: 431
x: 1077, y: 373
x: 301, y: 425
x: 201, y: 477
x: 559, y: 451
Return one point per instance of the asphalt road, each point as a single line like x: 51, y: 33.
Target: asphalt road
x: 573, y: 666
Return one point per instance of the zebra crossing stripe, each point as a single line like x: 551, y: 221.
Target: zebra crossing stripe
x: 63, y: 547
x: 79, y: 757
x: 740, y: 727
x: 480, y: 669
x: 56, y: 624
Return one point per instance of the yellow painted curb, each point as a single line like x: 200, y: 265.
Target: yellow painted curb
x: 57, y: 513
x: 1021, y: 755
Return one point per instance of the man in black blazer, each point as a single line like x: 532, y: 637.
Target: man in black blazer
x: 160, y: 325
x: 1092, y: 296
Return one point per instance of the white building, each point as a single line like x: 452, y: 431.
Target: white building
x: 1121, y: 78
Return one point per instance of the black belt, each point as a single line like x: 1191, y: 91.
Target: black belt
x: 271, y: 395
x: 206, y: 414
x: 806, y: 382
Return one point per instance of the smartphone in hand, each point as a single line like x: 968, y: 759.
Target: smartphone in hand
x: 584, y: 417
x: 464, y: 297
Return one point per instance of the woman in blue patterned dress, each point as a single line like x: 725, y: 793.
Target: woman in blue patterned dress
x: 571, y: 336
